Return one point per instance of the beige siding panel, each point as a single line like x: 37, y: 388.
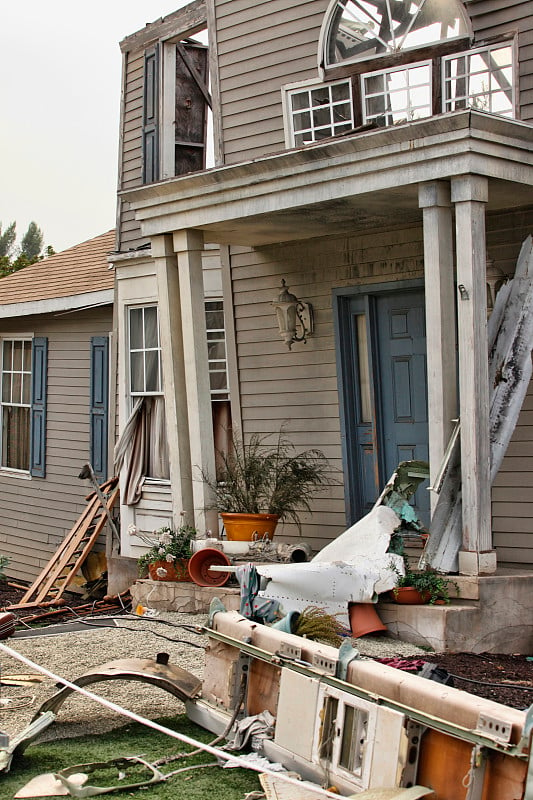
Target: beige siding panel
x: 131, y: 156
x: 299, y: 388
x: 269, y: 65
x: 37, y: 513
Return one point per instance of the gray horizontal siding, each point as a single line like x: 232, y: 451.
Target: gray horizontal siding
x: 38, y: 513
x: 131, y: 147
x: 261, y: 47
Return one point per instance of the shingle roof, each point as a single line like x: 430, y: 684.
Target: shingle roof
x: 81, y: 269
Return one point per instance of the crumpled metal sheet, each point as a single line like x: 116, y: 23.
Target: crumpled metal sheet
x: 173, y: 679
x: 49, y: 785
x: 354, y: 568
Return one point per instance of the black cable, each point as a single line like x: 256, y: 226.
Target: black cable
x: 495, y: 685
x: 145, y: 630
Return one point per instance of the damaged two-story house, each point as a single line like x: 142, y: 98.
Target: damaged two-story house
x: 373, y: 157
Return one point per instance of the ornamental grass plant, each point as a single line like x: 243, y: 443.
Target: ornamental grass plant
x: 256, y: 477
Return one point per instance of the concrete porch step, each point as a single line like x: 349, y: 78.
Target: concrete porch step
x: 441, y: 628
x: 493, y: 614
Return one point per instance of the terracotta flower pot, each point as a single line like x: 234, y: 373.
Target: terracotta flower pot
x: 177, y: 570
x: 249, y: 527
x: 364, y: 619
x: 408, y: 595
x: 201, y: 563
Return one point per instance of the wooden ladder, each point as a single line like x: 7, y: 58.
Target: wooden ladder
x: 62, y: 568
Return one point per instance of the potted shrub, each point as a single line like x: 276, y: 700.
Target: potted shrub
x: 169, y: 554
x: 259, y: 484
x: 427, y: 586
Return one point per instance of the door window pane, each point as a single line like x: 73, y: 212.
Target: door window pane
x: 364, y: 369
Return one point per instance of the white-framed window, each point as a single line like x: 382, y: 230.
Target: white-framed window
x: 482, y: 79
x: 319, y: 111
x: 216, y: 350
x: 16, y: 404
x: 218, y: 375
x: 144, y: 351
x: 401, y: 94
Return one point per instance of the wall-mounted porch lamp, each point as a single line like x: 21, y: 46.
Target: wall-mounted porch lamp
x: 295, y: 318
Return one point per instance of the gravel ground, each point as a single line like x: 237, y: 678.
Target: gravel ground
x: 71, y: 654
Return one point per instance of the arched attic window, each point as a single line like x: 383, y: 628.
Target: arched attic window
x: 355, y: 30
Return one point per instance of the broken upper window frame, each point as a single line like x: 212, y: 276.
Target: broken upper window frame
x: 436, y: 62
x: 176, y: 103
x: 362, y: 30
x: 399, y: 94
x: 482, y: 97
x: 318, y: 110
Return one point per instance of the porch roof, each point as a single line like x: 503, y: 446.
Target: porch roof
x: 343, y: 184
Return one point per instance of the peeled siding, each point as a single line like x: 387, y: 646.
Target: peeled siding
x: 37, y: 513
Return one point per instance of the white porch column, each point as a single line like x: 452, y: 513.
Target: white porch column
x: 173, y: 369
x: 470, y: 194
x: 434, y: 199
x: 188, y: 245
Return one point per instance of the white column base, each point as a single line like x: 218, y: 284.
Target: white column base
x: 477, y: 563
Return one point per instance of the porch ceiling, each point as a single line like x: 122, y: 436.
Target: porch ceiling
x: 364, y: 180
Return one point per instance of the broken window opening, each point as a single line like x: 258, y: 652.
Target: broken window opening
x: 364, y: 29
x: 177, y: 115
x: 397, y: 95
x: 481, y: 79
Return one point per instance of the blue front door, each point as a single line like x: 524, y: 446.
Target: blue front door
x: 384, y: 386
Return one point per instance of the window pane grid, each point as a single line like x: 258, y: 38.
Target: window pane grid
x: 145, y: 351
x: 482, y: 80
x: 216, y: 350
x: 320, y: 111
x: 16, y: 404
x: 397, y: 95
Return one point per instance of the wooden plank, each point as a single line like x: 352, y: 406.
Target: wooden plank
x: 73, y: 550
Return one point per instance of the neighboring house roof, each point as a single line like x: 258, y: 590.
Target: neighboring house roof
x: 78, y: 277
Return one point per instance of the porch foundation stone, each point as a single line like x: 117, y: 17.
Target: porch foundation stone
x: 184, y: 597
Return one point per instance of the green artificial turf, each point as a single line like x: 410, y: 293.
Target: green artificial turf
x: 135, y: 740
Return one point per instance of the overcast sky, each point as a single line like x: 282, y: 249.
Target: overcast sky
x: 60, y: 74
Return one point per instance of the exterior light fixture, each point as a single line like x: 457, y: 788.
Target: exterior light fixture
x: 295, y: 318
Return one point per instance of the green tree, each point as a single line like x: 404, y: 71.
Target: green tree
x: 7, y: 239
x: 32, y: 242
x: 31, y: 248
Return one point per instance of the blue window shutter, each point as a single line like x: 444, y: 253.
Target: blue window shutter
x: 39, y: 374
x: 150, y: 133
x: 99, y: 405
